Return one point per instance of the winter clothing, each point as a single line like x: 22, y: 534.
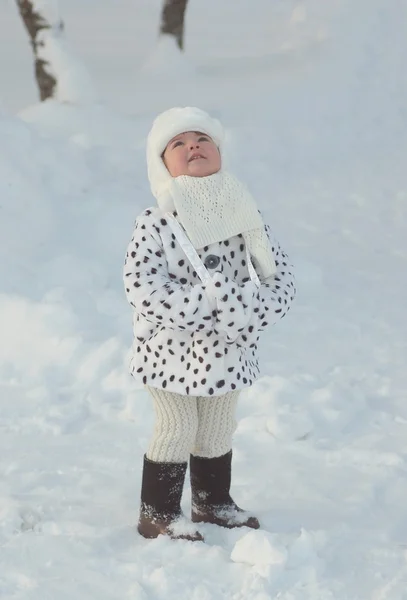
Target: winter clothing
x: 210, y: 209
x: 209, y: 331
x: 160, y: 510
x: 195, y: 335
x: 189, y: 340
x: 166, y: 126
x: 211, y: 500
x: 193, y: 338
x: 187, y: 424
x: 215, y: 208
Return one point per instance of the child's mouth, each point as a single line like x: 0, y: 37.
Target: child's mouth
x: 195, y: 157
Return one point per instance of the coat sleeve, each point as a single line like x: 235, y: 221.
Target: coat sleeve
x: 154, y: 292
x: 244, y: 311
x: 277, y: 292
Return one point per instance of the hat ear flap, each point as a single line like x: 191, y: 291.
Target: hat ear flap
x: 158, y: 173
x: 165, y: 201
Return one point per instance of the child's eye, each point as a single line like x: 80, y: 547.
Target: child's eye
x: 203, y: 138
x: 177, y: 143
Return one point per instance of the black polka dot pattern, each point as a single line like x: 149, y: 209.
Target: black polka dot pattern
x: 192, y: 339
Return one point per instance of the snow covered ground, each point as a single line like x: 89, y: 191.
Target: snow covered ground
x: 314, y: 96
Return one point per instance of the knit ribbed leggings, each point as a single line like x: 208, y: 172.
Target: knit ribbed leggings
x: 185, y: 425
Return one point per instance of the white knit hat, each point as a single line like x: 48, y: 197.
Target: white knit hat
x: 166, y: 126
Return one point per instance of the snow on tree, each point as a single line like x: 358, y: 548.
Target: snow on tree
x: 172, y: 20
x: 59, y: 74
x: 168, y: 60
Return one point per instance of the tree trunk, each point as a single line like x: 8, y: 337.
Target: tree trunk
x: 172, y: 20
x: 35, y: 23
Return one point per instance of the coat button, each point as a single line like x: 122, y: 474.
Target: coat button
x: 211, y: 261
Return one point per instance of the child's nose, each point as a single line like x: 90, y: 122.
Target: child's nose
x: 194, y: 145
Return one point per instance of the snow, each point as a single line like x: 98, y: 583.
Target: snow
x: 259, y: 548
x: 314, y: 96
x: 49, y: 9
x: 168, y: 63
x: 73, y: 80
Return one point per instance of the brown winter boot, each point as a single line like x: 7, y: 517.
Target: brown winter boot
x: 160, y: 510
x: 211, y: 501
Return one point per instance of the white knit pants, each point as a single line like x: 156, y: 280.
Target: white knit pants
x: 185, y: 425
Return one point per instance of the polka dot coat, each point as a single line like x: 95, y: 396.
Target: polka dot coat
x: 189, y: 338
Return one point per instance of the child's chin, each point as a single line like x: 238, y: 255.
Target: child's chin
x: 201, y: 171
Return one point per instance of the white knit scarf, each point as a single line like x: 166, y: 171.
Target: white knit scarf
x: 214, y: 208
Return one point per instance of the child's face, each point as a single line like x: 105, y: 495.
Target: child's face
x: 192, y: 153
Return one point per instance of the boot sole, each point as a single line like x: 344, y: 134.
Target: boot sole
x: 251, y: 522
x: 151, y: 531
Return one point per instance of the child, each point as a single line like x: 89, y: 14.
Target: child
x: 204, y: 277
